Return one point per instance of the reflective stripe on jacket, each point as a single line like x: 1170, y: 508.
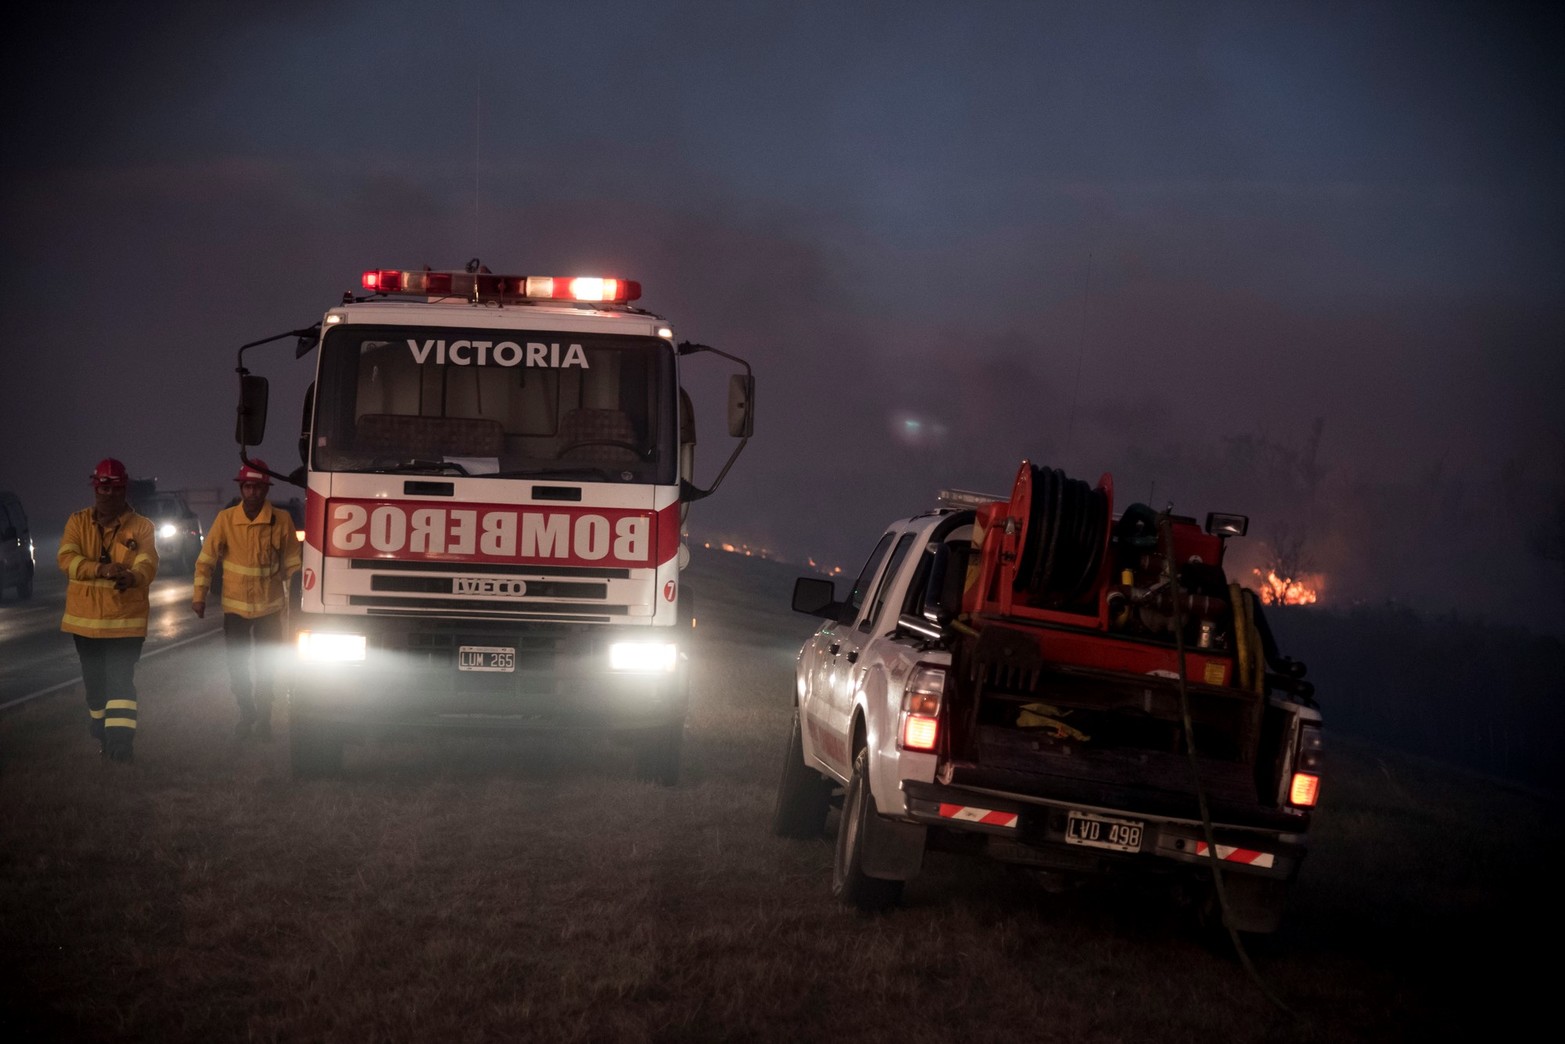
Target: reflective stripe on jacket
x: 258, y: 556
x: 94, y: 608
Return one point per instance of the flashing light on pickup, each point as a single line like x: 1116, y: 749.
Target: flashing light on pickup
x: 488, y: 286
x: 921, y: 709
x: 1304, y: 788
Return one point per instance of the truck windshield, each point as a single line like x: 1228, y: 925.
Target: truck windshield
x: 480, y: 401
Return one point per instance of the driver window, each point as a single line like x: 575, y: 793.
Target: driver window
x: 885, y: 578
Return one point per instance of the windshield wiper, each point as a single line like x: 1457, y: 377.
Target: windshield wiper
x: 422, y: 465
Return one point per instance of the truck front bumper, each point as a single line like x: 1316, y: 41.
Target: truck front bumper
x: 479, y: 676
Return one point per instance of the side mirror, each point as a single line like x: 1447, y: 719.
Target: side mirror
x: 741, y: 405
x: 250, y: 425
x: 816, y: 596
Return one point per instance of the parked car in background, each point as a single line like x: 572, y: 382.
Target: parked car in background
x: 178, y: 529
x: 17, y: 556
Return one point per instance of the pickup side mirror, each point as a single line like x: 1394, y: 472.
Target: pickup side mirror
x: 816, y: 596
x: 250, y: 424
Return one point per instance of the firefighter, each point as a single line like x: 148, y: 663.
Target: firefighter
x: 259, y: 552
x: 108, y: 554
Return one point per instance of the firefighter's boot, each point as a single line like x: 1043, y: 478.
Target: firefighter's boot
x: 119, y: 729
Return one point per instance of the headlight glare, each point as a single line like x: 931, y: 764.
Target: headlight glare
x: 643, y: 657
x: 328, y: 647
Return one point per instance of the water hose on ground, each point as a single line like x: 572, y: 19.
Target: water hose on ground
x: 1165, y: 525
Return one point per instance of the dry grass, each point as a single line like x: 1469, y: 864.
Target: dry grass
x: 496, y: 890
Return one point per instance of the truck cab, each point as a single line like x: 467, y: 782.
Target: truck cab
x: 497, y: 470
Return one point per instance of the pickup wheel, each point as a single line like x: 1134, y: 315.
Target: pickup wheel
x: 849, y: 882
x: 803, y: 795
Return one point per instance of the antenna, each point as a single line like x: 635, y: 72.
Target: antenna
x: 478, y: 137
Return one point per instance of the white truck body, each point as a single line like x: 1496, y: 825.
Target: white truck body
x: 496, y: 486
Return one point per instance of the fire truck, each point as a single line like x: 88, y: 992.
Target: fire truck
x: 1042, y: 681
x: 497, y: 472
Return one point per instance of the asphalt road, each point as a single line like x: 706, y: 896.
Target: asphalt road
x: 37, y: 658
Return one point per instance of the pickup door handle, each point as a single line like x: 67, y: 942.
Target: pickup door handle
x: 834, y: 647
x: 853, y: 657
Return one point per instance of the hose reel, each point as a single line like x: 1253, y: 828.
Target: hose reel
x: 1064, y: 530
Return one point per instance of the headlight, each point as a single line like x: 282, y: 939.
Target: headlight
x: 326, y: 647
x: 167, y: 530
x: 644, y: 657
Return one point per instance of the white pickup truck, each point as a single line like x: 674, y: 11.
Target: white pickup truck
x: 1041, y: 681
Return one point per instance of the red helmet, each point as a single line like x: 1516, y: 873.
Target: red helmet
x: 255, y: 471
x: 109, y: 472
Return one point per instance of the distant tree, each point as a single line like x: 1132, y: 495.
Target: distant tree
x: 1292, y: 477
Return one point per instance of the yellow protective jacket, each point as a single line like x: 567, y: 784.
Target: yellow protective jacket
x: 94, y: 608
x: 259, y: 556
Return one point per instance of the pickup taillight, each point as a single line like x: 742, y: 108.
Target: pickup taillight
x: 1308, y: 755
x: 919, y: 728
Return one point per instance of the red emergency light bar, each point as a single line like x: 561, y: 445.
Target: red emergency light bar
x: 486, y: 286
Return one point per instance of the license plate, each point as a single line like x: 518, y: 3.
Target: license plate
x: 1095, y: 831
x: 486, y: 658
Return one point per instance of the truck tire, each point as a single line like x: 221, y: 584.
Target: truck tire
x: 314, y: 748
x: 849, y: 882
x: 24, y: 589
x: 803, y: 795
x: 657, y: 754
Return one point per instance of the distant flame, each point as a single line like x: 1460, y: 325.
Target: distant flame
x: 1287, y: 590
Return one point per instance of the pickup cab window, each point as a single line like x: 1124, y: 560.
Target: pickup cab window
x: 860, y: 589
x: 885, y: 580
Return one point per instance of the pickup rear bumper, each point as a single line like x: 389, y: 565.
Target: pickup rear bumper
x: 1080, y: 838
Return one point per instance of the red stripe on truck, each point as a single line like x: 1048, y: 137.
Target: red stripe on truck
x: 413, y: 530
x: 969, y: 814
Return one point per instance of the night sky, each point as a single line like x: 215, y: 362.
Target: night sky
x: 1300, y: 260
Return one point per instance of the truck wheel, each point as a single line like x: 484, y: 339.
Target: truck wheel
x: 803, y: 795
x: 314, y: 748
x: 24, y: 590
x: 657, y: 754
x: 849, y: 883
